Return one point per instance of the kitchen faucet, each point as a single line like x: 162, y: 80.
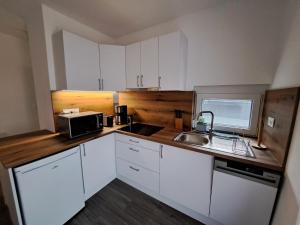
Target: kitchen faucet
x: 211, y: 122
x: 130, y: 121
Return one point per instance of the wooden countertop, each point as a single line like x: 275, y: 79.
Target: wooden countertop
x: 21, y: 149
x: 263, y: 159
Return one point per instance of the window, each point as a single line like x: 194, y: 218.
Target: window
x: 236, y: 108
x: 229, y: 112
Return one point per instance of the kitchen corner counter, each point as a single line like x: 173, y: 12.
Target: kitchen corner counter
x: 25, y: 148
x: 263, y: 159
x: 21, y: 149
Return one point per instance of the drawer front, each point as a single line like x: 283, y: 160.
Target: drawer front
x: 139, y: 175
x: 141, y: 156
x: 138, y: 142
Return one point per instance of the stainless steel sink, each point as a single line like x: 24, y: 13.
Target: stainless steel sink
x: 233, y: 145
x: 192, y: 138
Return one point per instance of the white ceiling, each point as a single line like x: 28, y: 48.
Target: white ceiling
x: 120, y: 17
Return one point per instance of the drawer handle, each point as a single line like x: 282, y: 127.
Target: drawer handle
x: 135, y: 169
x: 134, y: 150
x: 54, y: 167
x: 134, y: 141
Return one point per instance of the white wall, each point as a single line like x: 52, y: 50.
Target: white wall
x: 42, y: 22
x: 12, y: 24
x: 288, y: 75
x: 36, y: 34
x: 18, y: 112
x: 54, y: 22
x: 236, y: 43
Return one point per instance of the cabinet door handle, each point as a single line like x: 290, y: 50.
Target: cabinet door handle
x: 142, y: 76
x: 99, y: 83
x: 84, y: 152
x: 54, y: 167
x: 159, y: 81
x: 102, y: 84
x: 135, y: 169
x: 134, y: 150
x: 137, y: 80
x: 161, y: 151
x: 134, y: 141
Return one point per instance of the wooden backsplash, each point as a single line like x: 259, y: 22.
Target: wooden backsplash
x: 282, y: 105
x: 158, y: 107
x: 84, y: 100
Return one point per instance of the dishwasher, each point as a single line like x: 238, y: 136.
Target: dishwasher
x: 242, y: 194
x: 50, y: 190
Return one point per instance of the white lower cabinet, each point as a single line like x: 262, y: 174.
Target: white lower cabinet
x: 98, y: 164
x: 138, y: 174
x: 138, y: 142
x: 181, y: 176
x: 170, y: 174
x: 146, y: 158
x: 138, y: 161
x: 185, y: 178
x: 50, y: 190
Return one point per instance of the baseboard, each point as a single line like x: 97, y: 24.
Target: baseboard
x: 191, y: 213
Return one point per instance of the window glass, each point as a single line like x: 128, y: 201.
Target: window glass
x: 233, y: 113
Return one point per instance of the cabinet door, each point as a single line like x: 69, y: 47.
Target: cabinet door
x: 172, y: 61
x: 185, y: 178
x: 149, y: 63
x: 81, y: 63
x: 98, y: 164
x: 50, y: 190
x: 133, y: 65
x: 112, y: 66
x: 234, y: 197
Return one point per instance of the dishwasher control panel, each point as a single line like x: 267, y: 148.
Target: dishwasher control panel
x: 248, y: 171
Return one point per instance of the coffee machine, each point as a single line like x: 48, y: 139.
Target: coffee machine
x: 121, y: 114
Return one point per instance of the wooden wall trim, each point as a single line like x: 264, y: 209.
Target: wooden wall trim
x: 282, y: 104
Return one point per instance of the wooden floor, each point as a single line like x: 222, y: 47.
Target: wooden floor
x: 4, y: 216
x: 120, y: 204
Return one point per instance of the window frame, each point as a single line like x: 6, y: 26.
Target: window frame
x: 235, y: 92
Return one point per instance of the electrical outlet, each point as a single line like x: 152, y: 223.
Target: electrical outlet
x: 73, y: 110
x: 271, y: 121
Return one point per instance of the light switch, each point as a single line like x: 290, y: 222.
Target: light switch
x: 271, y: 121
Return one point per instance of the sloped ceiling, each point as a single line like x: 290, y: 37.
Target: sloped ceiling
x: 12, y: 25
x: 120, y: 17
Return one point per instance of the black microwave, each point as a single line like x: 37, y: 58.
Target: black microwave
x: 78, y: 124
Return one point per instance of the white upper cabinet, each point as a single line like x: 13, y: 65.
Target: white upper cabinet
x: 112, y: 66
x: 133, y: 65
x: 159, y: 62
x: 81, y: 64
x: 79, y: 67
x: 142, y: 64
x: 172, y: 61
x: 149, y: 63
x: 185, y: 178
